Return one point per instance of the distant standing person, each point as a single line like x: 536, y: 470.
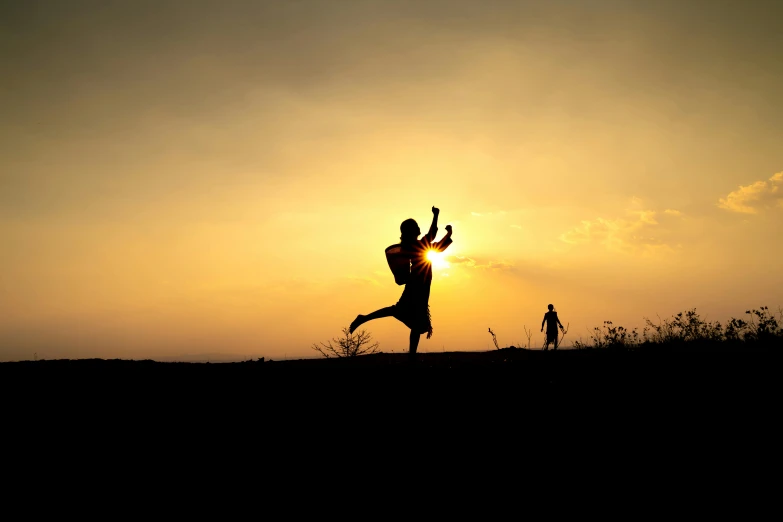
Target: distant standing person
x: 411, y: 267
x: 552, y: 323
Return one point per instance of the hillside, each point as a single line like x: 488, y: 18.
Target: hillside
x: 715, y: 365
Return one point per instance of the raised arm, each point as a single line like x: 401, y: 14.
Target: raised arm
x: 434, y: 227
x: 445, y: 241
x: 447, y: 237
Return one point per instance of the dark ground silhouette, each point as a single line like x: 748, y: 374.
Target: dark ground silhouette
x: 717, y: 365
x: 683, y: 350
x: 682, y: 377
x: 520, y: 399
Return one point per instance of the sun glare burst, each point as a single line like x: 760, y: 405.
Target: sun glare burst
x: 437, y: 259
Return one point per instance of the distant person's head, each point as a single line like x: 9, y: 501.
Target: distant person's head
x: 409, y: 230
x: 551, y: 307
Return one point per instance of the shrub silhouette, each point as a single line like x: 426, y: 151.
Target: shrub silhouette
x: 763, y: 325
x: 688, y: 328
x: 350, y: 345
x: 685, y: 326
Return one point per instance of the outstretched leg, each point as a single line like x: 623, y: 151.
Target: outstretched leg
x: 361, y: 319
x: 414, y: 342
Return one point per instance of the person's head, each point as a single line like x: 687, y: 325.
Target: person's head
x: 551, y: 307
x: 409, y: 230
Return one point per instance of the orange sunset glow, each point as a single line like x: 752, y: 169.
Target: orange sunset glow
x: 204, y: 179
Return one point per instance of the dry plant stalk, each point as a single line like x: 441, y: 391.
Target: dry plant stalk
x: 351, y: 345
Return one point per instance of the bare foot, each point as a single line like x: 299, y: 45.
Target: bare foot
x: 356, y: 323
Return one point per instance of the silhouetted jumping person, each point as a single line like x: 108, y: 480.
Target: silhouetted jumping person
x: 410, y: 266
x: 552, y: 322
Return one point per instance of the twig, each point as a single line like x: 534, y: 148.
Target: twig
x: 528, y: 334
x: 564, y: 333
x: 494, y: 339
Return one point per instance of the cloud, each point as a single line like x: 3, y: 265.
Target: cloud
x: 461, y: 260
x: 646, y: 216
x: 750, y: 199
x: 517, y: 226
x: 672, y: 212
x: 598, y: 229
x: 639, y: 232
x: 496, y: 265
x: 479, y: 264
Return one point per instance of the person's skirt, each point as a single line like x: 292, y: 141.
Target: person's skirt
x: 413, y: 309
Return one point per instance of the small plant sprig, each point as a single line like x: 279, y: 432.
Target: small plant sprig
x: 494, y: 339
x: 564, y: 331
x: 529, y: 335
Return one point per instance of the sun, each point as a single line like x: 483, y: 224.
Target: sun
x: 437, y: 259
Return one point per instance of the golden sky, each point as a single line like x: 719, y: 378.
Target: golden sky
x: 222, y: 177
